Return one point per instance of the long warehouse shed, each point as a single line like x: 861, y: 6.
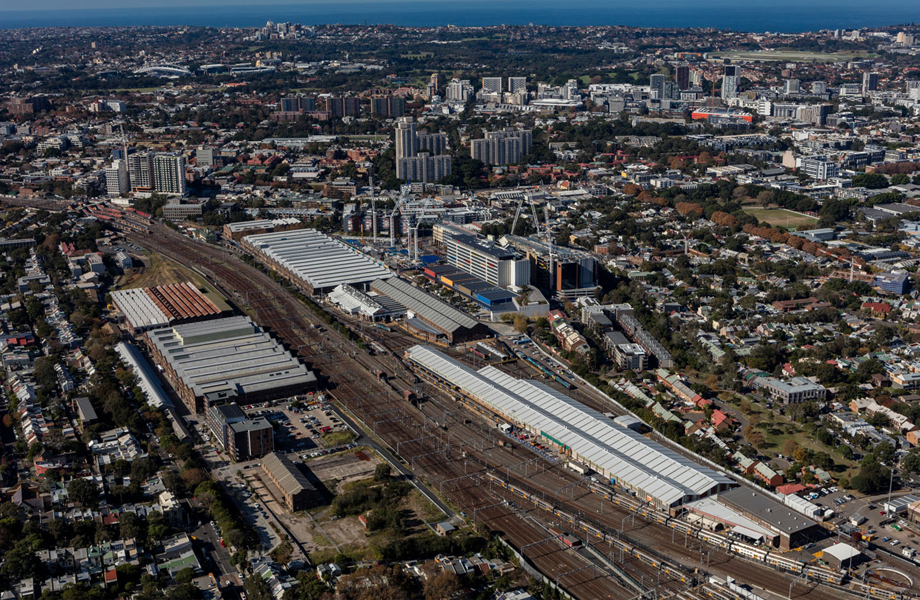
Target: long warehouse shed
x: 655, y: 473
x: 146, y: 379
x: 150, y: 308
x: 314, y: 262
x: 453, y: 324
x: 226, y: 360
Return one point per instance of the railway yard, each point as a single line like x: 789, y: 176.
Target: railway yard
x: 454, y: 447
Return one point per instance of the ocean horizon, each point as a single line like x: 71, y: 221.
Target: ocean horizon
x: 784, y: 16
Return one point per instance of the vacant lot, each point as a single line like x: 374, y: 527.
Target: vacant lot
x: 340, y: 469
x: 780, y: 217
x: 159, y: 270
x: 790, y: 55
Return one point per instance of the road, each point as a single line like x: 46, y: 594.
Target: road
x: 364, y: 396
x: 209, y: 540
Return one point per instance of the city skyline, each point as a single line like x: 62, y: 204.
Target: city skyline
x: 760, y: 15
x: 307, y: 311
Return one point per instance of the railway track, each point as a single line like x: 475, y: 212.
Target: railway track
x: 438, y: 453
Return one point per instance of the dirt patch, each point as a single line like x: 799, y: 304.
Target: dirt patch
x: 338, y: 469
x: 422, y: 507
x: 159, y: 270
x: 347, y: 531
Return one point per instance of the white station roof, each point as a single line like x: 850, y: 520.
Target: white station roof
x: 622, y: 454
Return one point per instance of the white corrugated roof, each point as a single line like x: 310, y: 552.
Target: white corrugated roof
x: 228, y: 354
x: 321, y: 261
x: 620, y: 453
x: 842, y: 551
x: 139, y: 308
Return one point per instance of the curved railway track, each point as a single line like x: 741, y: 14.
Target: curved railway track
x: 367, y: 398
x: 419, y: 437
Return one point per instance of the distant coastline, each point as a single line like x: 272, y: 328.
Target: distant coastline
x: 789, y: 16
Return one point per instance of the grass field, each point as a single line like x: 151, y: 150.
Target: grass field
x: 162, y: 271
x: 338, y: 438
x: 790, y: 55
x: 780, y: 217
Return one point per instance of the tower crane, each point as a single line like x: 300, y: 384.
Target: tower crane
x: 533, y: 209
x: 851, y: 261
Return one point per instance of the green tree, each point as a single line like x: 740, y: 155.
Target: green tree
x: 870, y: 181
x: 20, y: 561
x: 185, y: 575
x: 310, y: 588
x: 911, y: 462
x: 83, y: 491
x: 872, y: 477
x: 382, y: 472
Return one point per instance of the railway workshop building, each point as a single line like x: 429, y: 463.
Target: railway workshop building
x: 314, y: 262
x: 429, y: 317
x: 653, y: 472
x: 369, y: 306
x: 790, y: 529
x: 226, y: 360
x: 296, y: 490
x: 154, y: 307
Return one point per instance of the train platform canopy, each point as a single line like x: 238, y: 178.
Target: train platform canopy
x: 733, y: 521
x: 655, y: 473
x: 319, y: 260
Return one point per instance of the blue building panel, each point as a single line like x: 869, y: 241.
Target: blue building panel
x: 895, y: 283
x: 494, y: 297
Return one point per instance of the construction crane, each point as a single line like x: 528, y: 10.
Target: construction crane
x: 852, y: 261
x: 533, y: 209
x: 412, y: 243
x: 373, y: 207
x: 551, y: 243
x: 399, y: 208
